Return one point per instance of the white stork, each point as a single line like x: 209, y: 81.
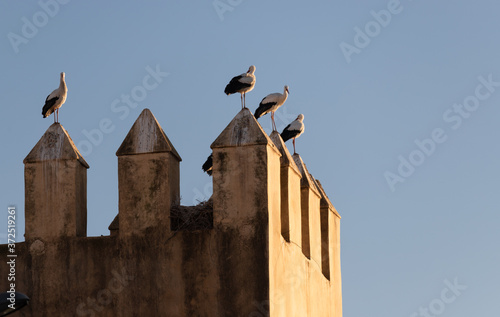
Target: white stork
x: 55, y: 100
x: 293, y: 130
x: 242, y: 83
x: 271, y: 103
x: 208, y: 165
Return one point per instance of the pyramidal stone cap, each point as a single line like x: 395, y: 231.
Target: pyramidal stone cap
x: 325, y: 201
x: 242, y: 130
x: 286, y: 158
x: 307, y: 179
x: 146, y: 136
x: 55, y: 144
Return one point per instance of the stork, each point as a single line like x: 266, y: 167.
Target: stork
x: 55, y: 100
x: 242, y: 83
x: 207, y: 166
x: 293, y: 130
x: 271, y: 103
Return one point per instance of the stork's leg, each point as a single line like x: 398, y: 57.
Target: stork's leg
x: 274, y: 123
x: 54, y: 117
x: 57, y: 115
x: 244, y: 100
x: 241, y: 97
x: 294, y: 146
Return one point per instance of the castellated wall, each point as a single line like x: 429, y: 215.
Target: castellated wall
x: 266, y: 244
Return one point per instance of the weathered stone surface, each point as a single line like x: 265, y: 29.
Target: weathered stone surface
x: 290, y: 184
x: 148, y: 177
x: 114, y: 226
x: 146, y: 136
x: 242, y: 130
x: 325, y: 201
x: 307, y: 180
x: 55, y: 144
x: 242, y: 266
x: 148, y: 185
x: 55, y: 176
x: 246, y: 195
x: 311, y: 224
x: 286, y: 158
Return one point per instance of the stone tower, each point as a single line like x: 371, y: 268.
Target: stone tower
x: 266, y: 244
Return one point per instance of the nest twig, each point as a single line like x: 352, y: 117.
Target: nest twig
x: 191, y: 218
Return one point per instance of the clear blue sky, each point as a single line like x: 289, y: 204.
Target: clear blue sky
x: 369, y: 83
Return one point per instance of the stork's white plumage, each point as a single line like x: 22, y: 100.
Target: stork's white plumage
x: 293, y: 130
x: 242, y: 83
x: 55, y: 100
x: 271, y: 103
